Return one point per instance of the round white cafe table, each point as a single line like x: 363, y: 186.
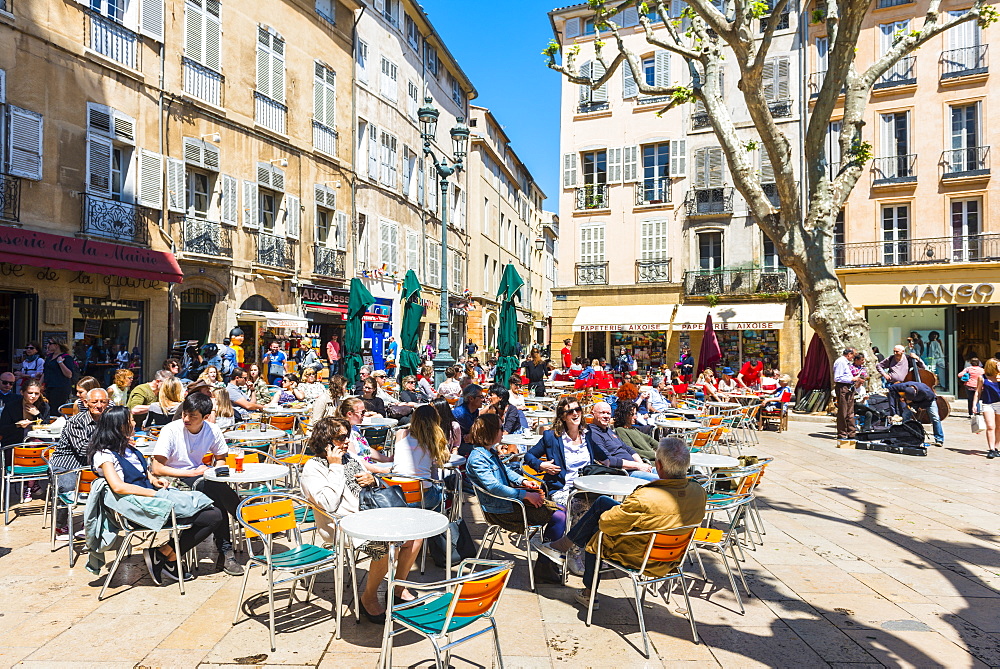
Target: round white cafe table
x: 253, y: 472
x: 456, y: 460
x: 682, y: 412
x: 285, y: 410
x: 253, y: 435
x: 713, y: 461
x: 379, y: 421
x: 393, y: 525
x: 43, y: 435
x: 608, y: 484
x: 678, y: 424
x: 520, y: 439
x: 540, y: 414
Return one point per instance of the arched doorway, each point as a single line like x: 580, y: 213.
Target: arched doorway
x: 197, y: 306
x: 257, y: 303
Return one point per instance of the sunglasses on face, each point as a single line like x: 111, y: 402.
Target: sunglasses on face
x: 574, y: 410
x: 5, y: 382
x: 29, y: 348
x: 342, y: 438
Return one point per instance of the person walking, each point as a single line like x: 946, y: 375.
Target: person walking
x: 970, y: 379
x: 988, y: 391
x: 274, y: 363
x: 844, y: 380
x: 333, y: 355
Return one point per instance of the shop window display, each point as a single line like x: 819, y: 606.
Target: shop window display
x: 761, y: 344
x: 648, y: 348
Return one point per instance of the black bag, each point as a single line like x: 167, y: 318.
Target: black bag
x: 375, y: 497
x: 462, y: 545
x: 907, y: 433
x: 601, y: 470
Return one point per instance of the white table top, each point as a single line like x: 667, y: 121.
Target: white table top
x: 43, y: 434
x: 253, y: 435
x: 679, y: 424
x: 723, y: 405
x: 396, y: 524
x: 712, y: 460
x: 520, y: 439
x: 379, y: 421
x: 279, y: 410
x: 682, y: 412
x: 608, y: 484
x: 253, y: 472
x: 540, y: 414
x: 146, y: 449
x: 455, y: 461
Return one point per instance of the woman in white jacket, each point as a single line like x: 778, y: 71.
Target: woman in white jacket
x: 332, y: 480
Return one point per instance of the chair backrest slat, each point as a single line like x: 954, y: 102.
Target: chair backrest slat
x: 270, y: 517
x: 669, y: 547
x: 412, y: 490
x: 478, y: 597
x: 283, y: 422
x: 29, y: 456
x: 87, y: 478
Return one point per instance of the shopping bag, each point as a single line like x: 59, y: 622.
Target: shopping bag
x: 977, y: 423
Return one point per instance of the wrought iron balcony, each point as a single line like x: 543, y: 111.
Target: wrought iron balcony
x: 275, y: 251
x: 971, y: 162
x: 207, y: 238
x: 780, y: 108
x: 653, y: 191
x: 328, y: 262
x: 591, y: 107
x: 709, y: 202
x: 203, y: 82
x: 113, y: 40
x: 591, y: 274
x: 816, y: 82
x: 965, y: 62
x: 749, y: 281
x: 771, y: 191
x: 652, y: 271
x: 902, y: 73
x: 119, y: 221
x: 894, y: 170
x: 592, y: 196
x: 934, y: 250
x: 270, y: 113
x: 10, y: 198
x: 700, y: 120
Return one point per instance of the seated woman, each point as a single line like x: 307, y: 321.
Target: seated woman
x: 420, y: 451
x: 326, y: 404
x: 84, y: 386
x: 512, y: 419
x: 289, y: 392
x: 451, y: 427
x: 20, y: 414
x: 727, y: 384
x: 626, y: 429
x: 588, y: 371
x: 353, y: 411
x: 705, y: 387
x: 332, y: 479
x: 769, y: 380
x: 411, y: 395
x: 163, y: 410
x: 369, y: 395
x: 257, y: 386
x: 310, y: 387
x: 112, y: 456
x: 223, y: 413
x: 211, y: 375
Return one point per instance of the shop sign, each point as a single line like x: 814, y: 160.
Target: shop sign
x: 623, y: 327
x: 377, y: 313
x: 946, y: 293
x: 724, y: 325
x: 324, y: 297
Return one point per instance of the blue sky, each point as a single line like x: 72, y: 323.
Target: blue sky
x: 499, y: 45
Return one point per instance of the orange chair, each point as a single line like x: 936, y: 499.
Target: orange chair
x: 69, y: 409
x: 27, y: 463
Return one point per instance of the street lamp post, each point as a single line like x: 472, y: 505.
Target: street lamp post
x: 428, y: 116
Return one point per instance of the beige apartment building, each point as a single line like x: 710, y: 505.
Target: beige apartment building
x: 507, y: 225
x: 173, y: 170
x: 919, y: 239
x: 654, y: 236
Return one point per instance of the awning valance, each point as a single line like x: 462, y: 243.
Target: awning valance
x: 43, y: 249
x: 769, y: 316
x: 622, y: 318
x: 273, y: 319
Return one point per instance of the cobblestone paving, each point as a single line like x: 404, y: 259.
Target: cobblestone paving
x: 870, y: 559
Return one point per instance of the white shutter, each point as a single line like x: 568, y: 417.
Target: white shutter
x: 380, y: 6
x: 176, y: 187
x: 24, y: 142
x: 833, y: 143
x: 585, y: 92
x: 569, y: 170
x: 251, y: 217
x: 766, y: 169
x: 629, y: 89
x: 293, y: 217
x: 151, y: 19
x: 278, y: 69
x: 340, y: 232
x: 782, y: 79
x: 700, y: 168
x: 433, y: 275
x: 413, y: 251
x: 263, y: 62
x: 964, y: 35
x: 372, y: 151
x: 614, y: 165
x: 150, y: 179
x: 210, y: 156
x: 229, y: 207
x: 888, y: 140
x: 99, y: 165
x: 394, y: 247
x: 600, y: 94
x: 325, y: 96
x: 572, y: 28
x: 715, y: 168
x: 213, y: 36
x: 277, y: 178
x: 630, y: 171
x: 661, y: 66
x: 630, y: 17
x: 194, y: 31
x: 767, y: 78
x: 598, y: 243
x: 3, y: 87
x: 678, y: 158
x: 124, y: 127
x: 194, y: 151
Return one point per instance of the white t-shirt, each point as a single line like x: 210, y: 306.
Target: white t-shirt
x: 100, y: 457
x: 411, y: 460
x: 184, y: 450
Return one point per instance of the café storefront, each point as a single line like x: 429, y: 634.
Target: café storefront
x: 644, y: 331
x: 744, y: 331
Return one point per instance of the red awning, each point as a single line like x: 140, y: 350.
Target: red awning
x: 41, y: 249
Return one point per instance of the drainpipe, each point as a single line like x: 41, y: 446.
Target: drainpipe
x: 161, y: 132
x: 354, y: 140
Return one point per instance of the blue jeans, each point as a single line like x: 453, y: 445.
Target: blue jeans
x: 432, y: 499
x: 587, y: 527
x: 936, y: 426
x: 334, y: 367
x: 646, y: 476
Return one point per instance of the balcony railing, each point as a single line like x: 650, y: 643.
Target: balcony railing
x: 324, y: 138
x: 653, y: 191
x: 592, y: 196
x: 709, y: 201
x: 275, y: 251
x: 902, y: 73
x: 771, y: 191
x: 700, y: 120
x: 270, y: 113
x: 965, y: 62
x: 10, y: 198
x: 894, y: 169
x: 207, y: 238
x: 882, y: 4
x: 590, y: 107
x: 652, y: 271
x: 751, y: 281
x: 936, y: 250
x: 329, y: 262
x: 113, y: 40
x: 780, y: 108
x: 202, y: 82
x: 111, y: 219
x: 816, y: 80
x: 591, y: 273
x: 971, y: 162
x: 652, y: 100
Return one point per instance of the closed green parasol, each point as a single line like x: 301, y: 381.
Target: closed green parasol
x: 409, y: 333
x: 510, y: 290
x: 360, y: 299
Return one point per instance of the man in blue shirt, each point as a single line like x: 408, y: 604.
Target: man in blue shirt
x: 274, y: 363
x: 468, y: 411
x: 228, y: 356
x: 916, y: 396
x: 844, y: 380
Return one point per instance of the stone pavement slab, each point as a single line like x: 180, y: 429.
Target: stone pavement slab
x: 870, y: 559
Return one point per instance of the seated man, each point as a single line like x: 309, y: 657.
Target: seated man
x: 145, y: 394
x: 916, y: 396
x: 466, y: 413
x: 620, y: 455
x: 657, y: 400
x: 180, y: 452
x: 671, y: 502
x: 71, y: 450
x: 237, y: 395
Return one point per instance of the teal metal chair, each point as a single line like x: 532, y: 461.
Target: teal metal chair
x: 458, y: 603
x: 26, y: 463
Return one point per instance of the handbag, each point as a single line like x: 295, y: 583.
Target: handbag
x: 977, y: 423
x: 462, y: 544
x: 601, y: 470
x: 964, y: 378
x: 375, y: 497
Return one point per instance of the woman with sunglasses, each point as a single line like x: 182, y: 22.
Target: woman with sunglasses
x: 32, y: 365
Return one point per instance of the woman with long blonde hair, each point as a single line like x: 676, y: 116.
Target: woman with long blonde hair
x: 119, y: 389
x: 225, y: 414
x: 169, y: 398
x: 988, y: 391
x: 421, y: 450
x: 211, y: 376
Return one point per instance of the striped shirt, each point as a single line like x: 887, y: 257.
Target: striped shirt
x: 71, y: 451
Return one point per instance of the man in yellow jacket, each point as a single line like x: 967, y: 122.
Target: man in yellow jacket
x: 672, y: 501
